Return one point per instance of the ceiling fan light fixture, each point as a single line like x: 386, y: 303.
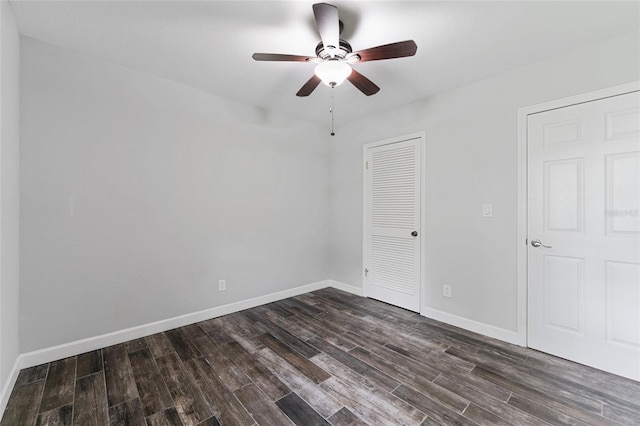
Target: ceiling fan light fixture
x: 333, y: 72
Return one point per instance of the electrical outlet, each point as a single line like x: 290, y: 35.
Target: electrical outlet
x: 222, y: 285
x: 446, y: 290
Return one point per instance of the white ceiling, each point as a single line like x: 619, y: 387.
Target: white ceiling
x: 208, y: 44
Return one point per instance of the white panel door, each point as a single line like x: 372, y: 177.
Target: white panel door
x: 584, y: 233
x: 392, y: 242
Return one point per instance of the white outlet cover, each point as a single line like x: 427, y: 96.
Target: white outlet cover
x: 487, y: 210
x: 446, y: 290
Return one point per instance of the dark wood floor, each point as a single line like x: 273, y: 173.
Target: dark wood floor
x: 326, y: 357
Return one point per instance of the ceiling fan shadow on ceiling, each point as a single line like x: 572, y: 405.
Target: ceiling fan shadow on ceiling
x: 334, y: 56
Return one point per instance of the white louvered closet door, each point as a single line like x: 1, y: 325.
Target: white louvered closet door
x: 392, y: 242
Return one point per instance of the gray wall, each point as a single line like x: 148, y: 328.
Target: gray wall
x: 9, y: 190
x: 471, y: 150
x: 139, y: 194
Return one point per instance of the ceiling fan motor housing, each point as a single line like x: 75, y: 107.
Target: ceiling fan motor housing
x: 340, y: 52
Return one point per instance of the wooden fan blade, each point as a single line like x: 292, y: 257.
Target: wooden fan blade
x: 309, y: 86
x: 328, y: 24
x: 363, y: 84
x: 279, y: 57
x: 400, y: 49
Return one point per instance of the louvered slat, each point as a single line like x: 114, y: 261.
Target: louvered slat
x: 393, y: 188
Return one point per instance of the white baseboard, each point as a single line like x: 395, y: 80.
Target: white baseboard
x: 471, y: 325
x: 42, y: 356
x: 77, y: 347
x: 346, y: 287
x: 9, y: 384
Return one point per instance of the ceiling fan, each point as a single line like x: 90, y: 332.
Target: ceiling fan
x: 334, y: 56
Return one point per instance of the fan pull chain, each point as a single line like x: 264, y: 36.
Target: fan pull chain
x: 333, y: 133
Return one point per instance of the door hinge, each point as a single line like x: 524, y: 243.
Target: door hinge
x: 366, y: 272
x: 366, y: 165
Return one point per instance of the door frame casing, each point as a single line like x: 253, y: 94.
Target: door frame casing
x: 523, y: 193
x: 421, y: 136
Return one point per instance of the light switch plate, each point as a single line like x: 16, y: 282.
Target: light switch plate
x: 487, y: 210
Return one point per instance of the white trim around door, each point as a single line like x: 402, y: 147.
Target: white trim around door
x: 523, y: 113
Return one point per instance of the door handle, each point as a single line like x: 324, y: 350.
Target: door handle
x: 414, y: 234
x: 538, y: 243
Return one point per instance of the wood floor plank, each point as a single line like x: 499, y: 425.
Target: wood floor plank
x: 215, y: 331
x: 540, y: 405
x: 292, y: 324
x: 194, y: 332
x: 431, y: 407
x: 499, y: 407
x: 344, y: 417
x: 181, y: 343
x: 62, y: 416
x: 136, y: 345
x: 128, y: 413
x: 621, y: 412
x: 32, y: 374
x: 588, y: 398
x: 318, y: 326
x: 473, y: 382
x: 227, y: 407
x: 308, y: 368
x: 483, y: 417
x: 313, y: 394
x: 415, y: 380
x: 345, y: 303
x: 363, y: 398
x: 336, y: 308
x: 372, y: 405
x: 89, y: 363
x: 212, y: 421
x: 425, y: 364
x: 121, y: 385
x: 299, y: 411
x: 168, y: 417
x: 24, y: 402
x: 540, y: 411
x: 268, y: 383
x: 90, y: 402
x: 399, y: 371
x: 606, y: 383
x: 464, y: 339
x: 231, y: 374
x: 278, y: 309
x: 159, y: 345
x: 238, y: 325
x: 190, y: 403
x: 261, y: 408
x: 376, y: 376
x: 429, y: 421
x: 59, y: 385
x: 253, y: 315
x: 152, y: 390
x: 431, y: 358
x: 297, y: 307
x: 289, y: 339
x: 546, y: 395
